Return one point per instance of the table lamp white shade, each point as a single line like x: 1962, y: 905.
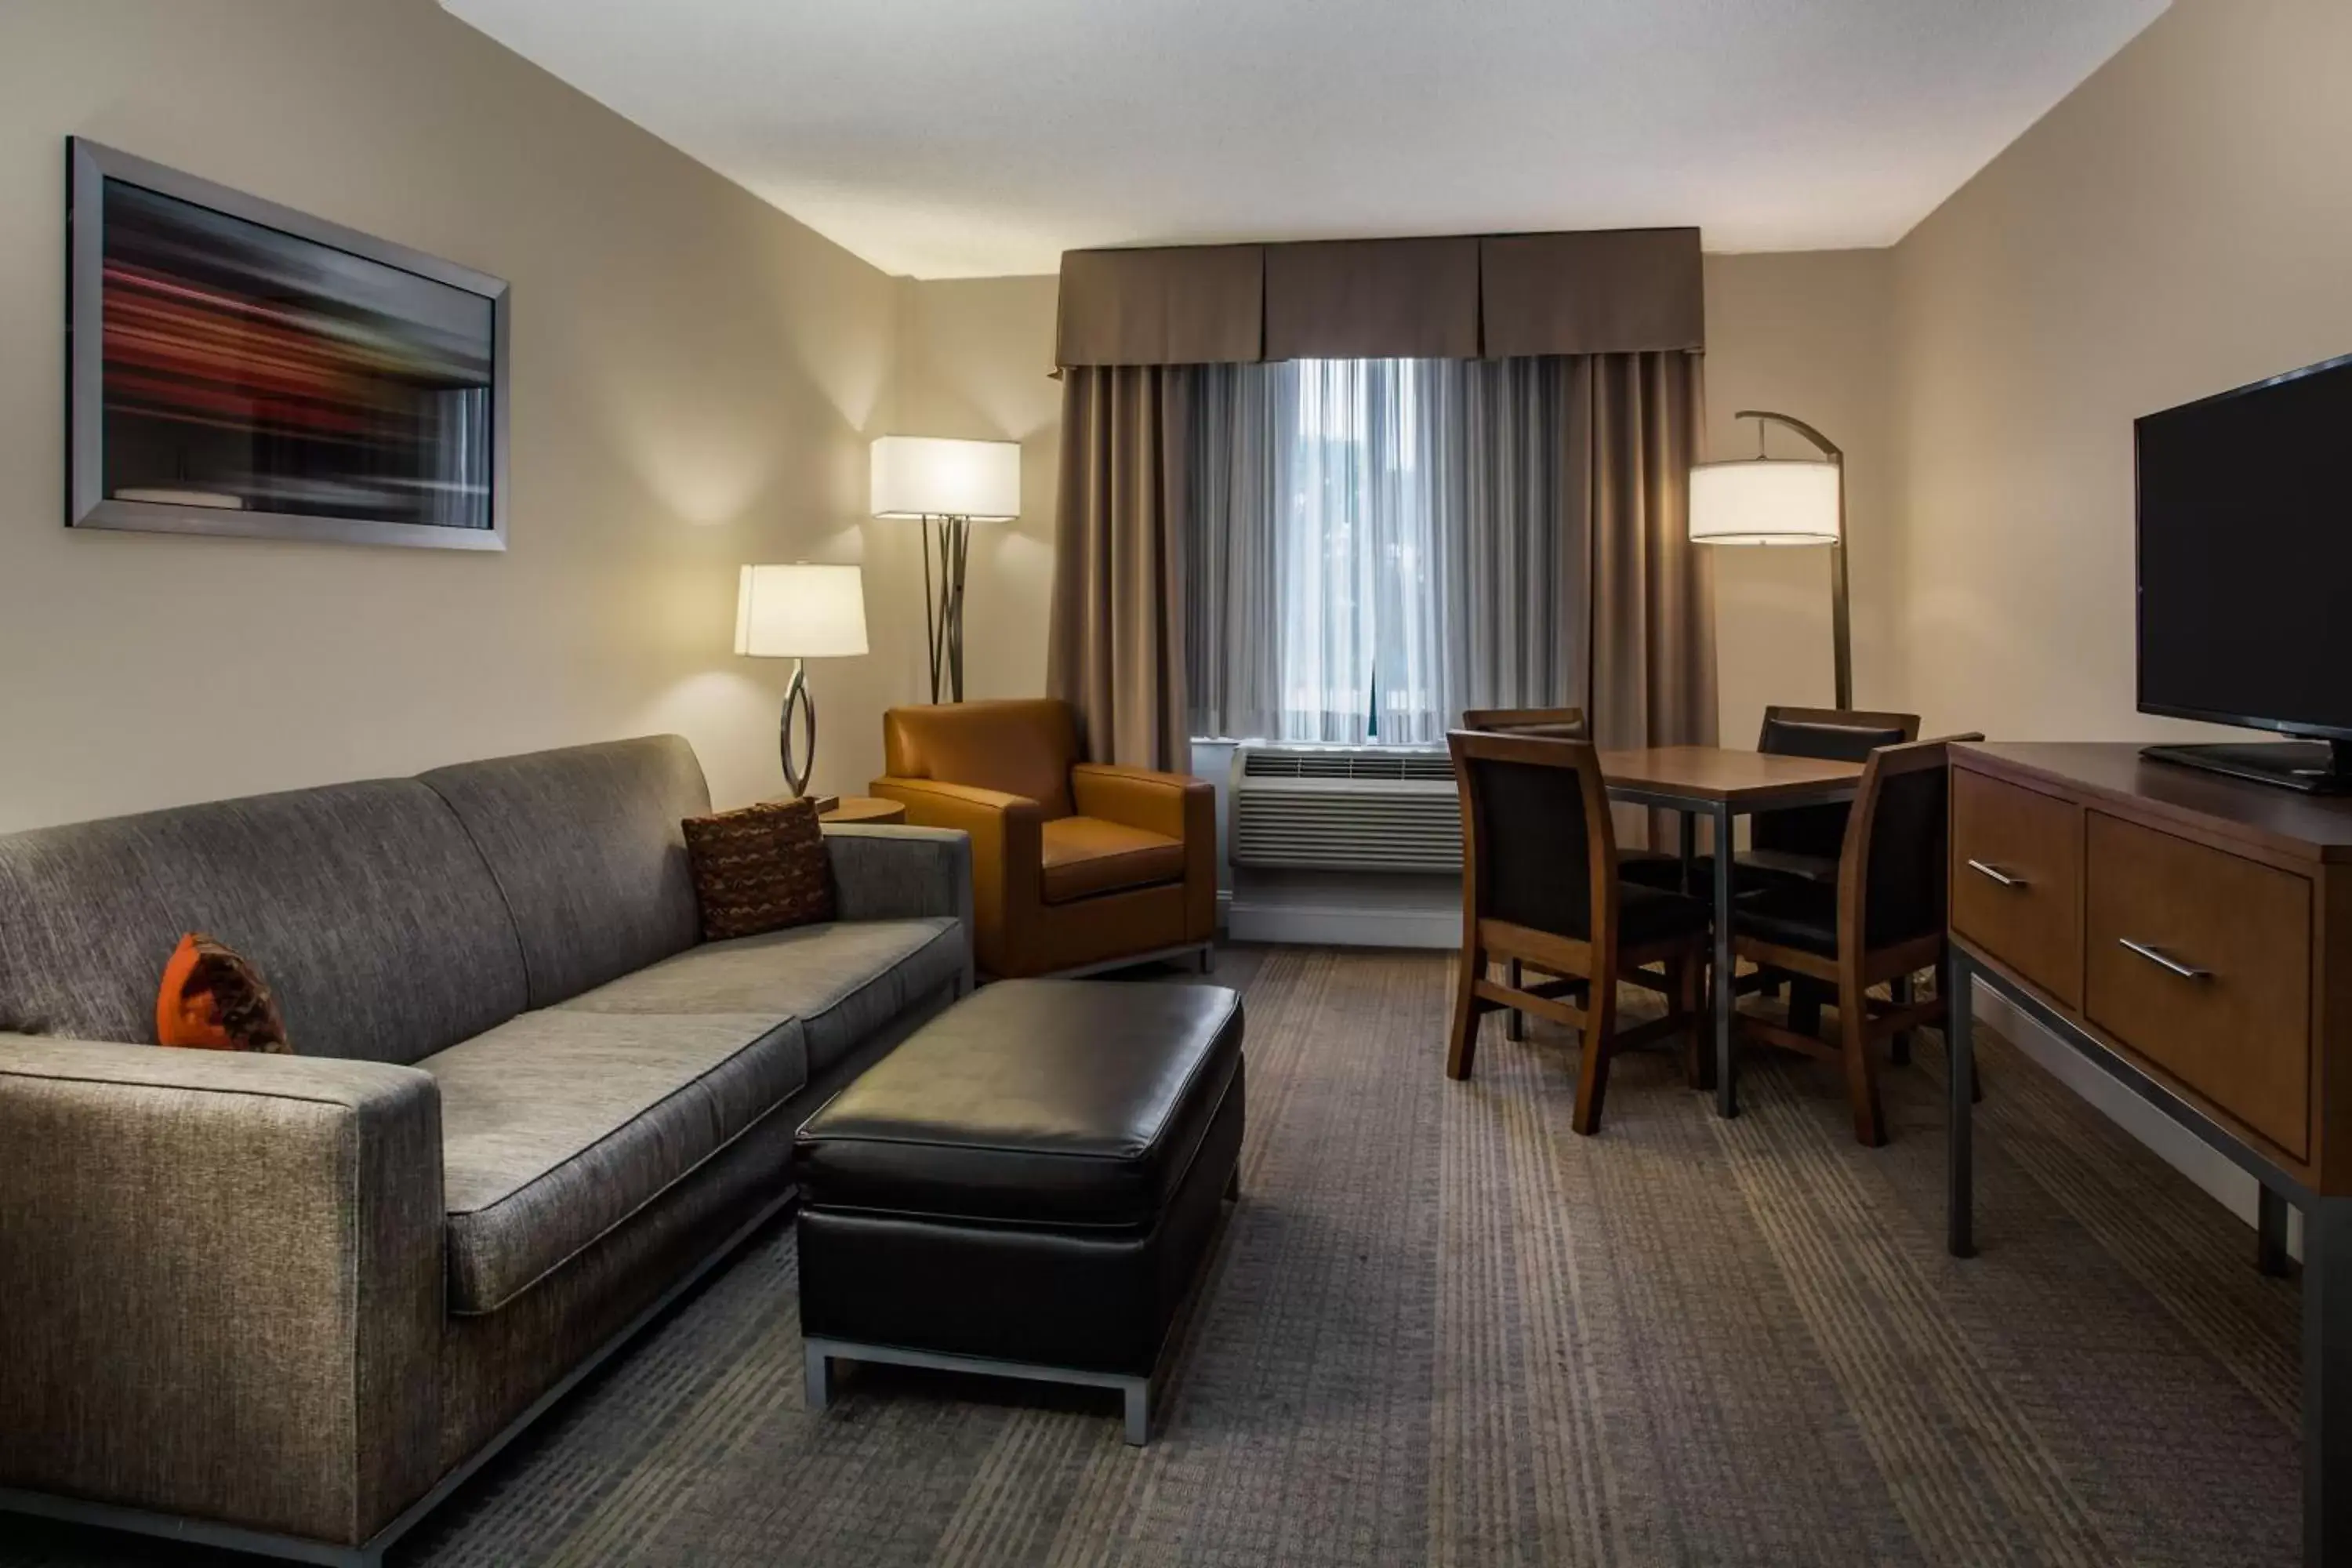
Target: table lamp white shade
x: 931, y: 476
x: 1764, y: 501
x: 802, y: 611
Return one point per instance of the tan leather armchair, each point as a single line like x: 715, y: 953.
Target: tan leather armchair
x: 1073, y: 863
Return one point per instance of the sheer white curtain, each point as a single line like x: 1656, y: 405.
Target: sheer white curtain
x: 1378, y: 544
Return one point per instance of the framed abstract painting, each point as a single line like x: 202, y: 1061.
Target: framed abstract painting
x: 235, y: 367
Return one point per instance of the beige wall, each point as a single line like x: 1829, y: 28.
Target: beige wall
x: 976, y: 359
x: 694, y: 378
x: 2181, y: 225
x: 1806, y: 334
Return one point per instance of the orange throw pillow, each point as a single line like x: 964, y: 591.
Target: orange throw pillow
x: 213, y: 1000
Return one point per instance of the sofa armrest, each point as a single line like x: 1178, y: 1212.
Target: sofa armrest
x: 1176, y: 805
x: 223, y: 1278
x: 883, y: 872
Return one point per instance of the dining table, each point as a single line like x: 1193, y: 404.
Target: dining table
x: 1721, y: 783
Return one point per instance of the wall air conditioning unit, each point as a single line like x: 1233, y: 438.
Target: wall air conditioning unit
x: 1350, y: 845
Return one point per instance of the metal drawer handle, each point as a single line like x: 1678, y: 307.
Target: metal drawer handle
x: 1996, y: 874
x: 2161, y: 962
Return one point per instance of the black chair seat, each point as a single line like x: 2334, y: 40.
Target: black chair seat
x: 1801, y: 915
x: 1645, y: 915
x: 1754, y: 870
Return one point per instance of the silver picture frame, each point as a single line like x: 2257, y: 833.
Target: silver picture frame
x: 90, y: 166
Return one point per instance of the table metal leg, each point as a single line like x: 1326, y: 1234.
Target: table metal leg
x: 1727, y: 1089
x: 1899, y: 992
x: 2270, y: 1232
x: 2327, y: 1380
x: 1515, y: 1026
x: 1960, y: 1056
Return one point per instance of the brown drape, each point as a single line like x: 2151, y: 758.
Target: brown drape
x: 1625, y: 291
x: 1633, y: 433
x: 1116, y: 649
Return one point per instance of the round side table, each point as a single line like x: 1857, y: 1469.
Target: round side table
x: 864, y: 808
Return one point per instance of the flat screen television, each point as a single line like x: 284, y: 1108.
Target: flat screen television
x: 2245, y: 573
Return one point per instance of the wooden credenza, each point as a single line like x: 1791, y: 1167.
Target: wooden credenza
x: 2190, y: 935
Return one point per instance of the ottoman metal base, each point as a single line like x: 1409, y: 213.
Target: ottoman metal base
x: 821, y: 1353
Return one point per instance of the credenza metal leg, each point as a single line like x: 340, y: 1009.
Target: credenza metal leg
x: 2270, y: 1232
x: 1727, y: 1082
x: 1959, y: 1034
x: 2327, y: 1383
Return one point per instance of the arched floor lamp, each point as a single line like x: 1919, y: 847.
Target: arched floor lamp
x: 1782, y: 501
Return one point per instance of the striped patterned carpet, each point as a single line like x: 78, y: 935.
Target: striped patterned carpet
x: 1441, y: 1330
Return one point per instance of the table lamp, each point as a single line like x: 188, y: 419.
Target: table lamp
x: 1781, y: 500
x: 947, y: 485
x: 799, y: 612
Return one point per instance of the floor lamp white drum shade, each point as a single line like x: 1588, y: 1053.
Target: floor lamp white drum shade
x: 799, y: 612
x: 949, y: 485
x: 931, y: 476
x: 1764, y: 501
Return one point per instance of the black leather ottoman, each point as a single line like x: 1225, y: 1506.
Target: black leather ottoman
x: 1025, y: 1187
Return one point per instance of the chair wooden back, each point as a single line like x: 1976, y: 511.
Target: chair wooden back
x: 1840, y: 734
x: 1558, y: 723
x: 1893, y: 871
x: 1537, y: 848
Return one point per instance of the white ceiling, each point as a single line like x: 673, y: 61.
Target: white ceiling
x: 968, y: 137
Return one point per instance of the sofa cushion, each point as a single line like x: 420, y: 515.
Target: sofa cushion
x: 843, y: 981
x: 1085, y: 856
x: 366, y: 905
x: 586, y: 847
x: 558, y: 1126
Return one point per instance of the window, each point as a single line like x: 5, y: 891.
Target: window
x: 1375, y: 545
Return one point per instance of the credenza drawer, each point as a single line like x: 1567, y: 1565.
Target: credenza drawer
x: 2200, y: 961
x: 2017, y: 879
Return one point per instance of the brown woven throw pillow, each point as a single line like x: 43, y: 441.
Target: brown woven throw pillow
x: 760, y: 869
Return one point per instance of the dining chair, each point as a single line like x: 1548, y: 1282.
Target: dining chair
x: 1540, y: 889
x: 1653, y: 867
x: 1880, y: 922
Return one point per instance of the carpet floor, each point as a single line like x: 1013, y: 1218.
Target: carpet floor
x: 1439, y: 1329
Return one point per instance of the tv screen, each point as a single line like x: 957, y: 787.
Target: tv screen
x: 2245, y: 556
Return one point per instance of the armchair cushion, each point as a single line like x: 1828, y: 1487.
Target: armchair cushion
x: 1085, y: 855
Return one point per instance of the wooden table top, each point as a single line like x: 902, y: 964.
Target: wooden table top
x: 866, y: 809
x: 1715, y: 775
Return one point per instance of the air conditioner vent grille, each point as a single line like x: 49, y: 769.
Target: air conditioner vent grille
x: 1330, y: 808
x: 1269, y: 764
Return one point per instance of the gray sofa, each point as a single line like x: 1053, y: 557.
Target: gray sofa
x: 284, y: 1304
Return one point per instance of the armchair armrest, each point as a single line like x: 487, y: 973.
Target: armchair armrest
x: 884, y: 872
x: 1176, y: 805
x: 224, y: 1282
x: 1172, y: 804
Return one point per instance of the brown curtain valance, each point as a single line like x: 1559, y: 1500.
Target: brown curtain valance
x: 1610, y: 291
x: 1192, y: 304
x: 1373, y: 299
x: 1494, y: 296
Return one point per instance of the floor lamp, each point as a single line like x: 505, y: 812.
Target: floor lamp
x: 1782, y: 501
x: 948, y: 486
